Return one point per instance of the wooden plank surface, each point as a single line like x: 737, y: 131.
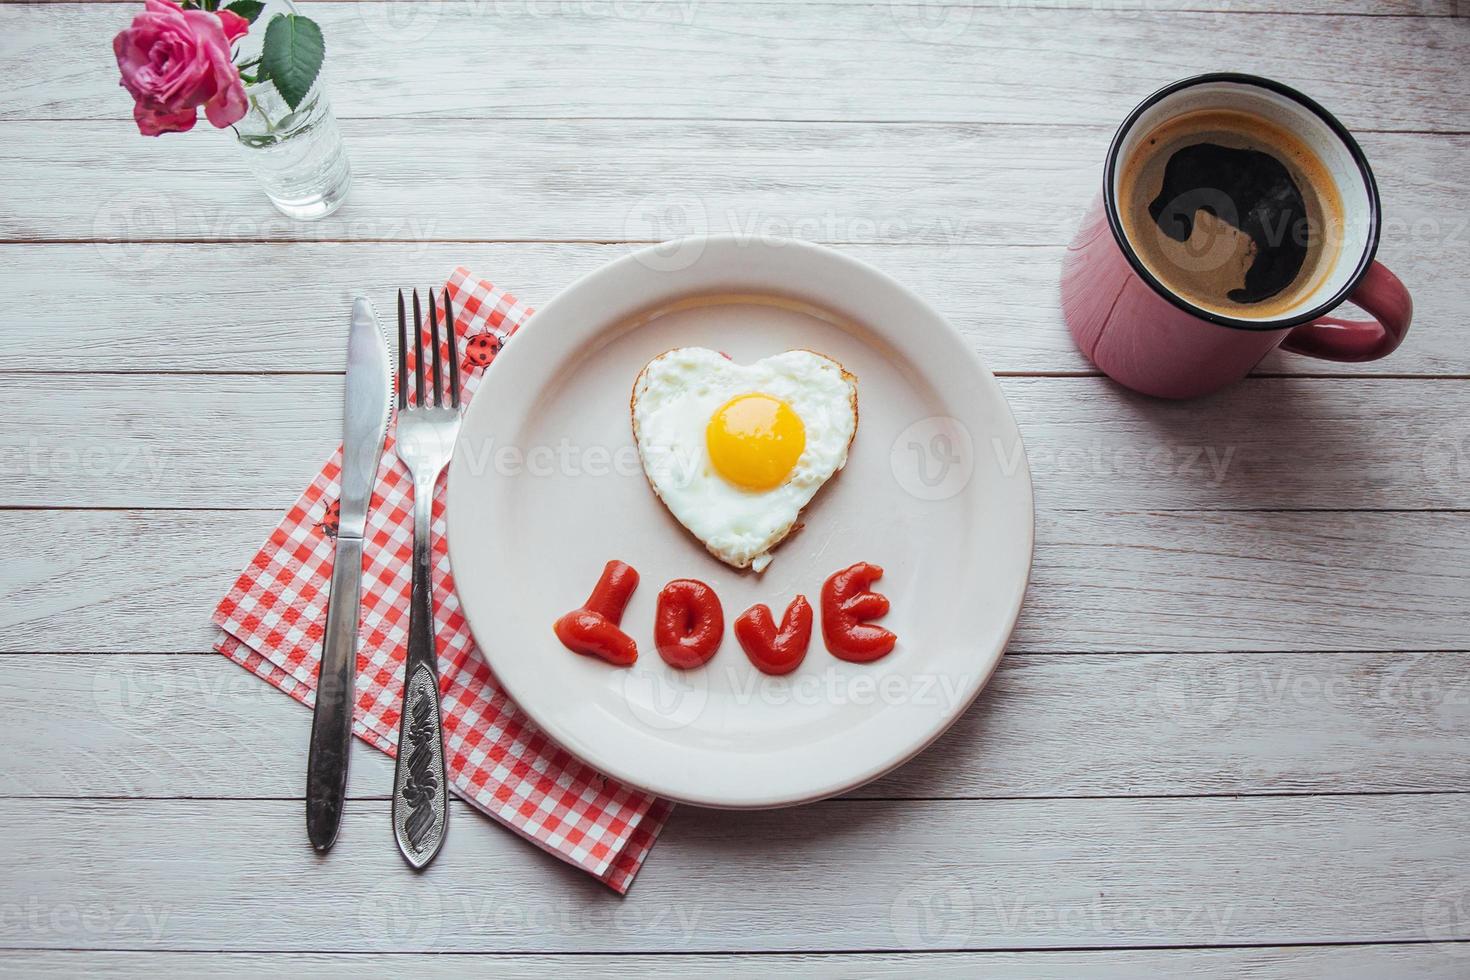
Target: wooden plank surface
x: 137, y: 440
x: 875, y: 61
x: 1230, y: 728
x: 285, y: 307
x: 1022, y: 874
x: 1102, y: 581
x: 1365, y: 8
x: 1211, y: 724
x: 645, y: 180
x: 1430, y: 961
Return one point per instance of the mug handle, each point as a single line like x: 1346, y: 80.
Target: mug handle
x: 1385, y: 298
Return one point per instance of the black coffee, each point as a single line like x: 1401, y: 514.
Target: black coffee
x: 1231, y: 212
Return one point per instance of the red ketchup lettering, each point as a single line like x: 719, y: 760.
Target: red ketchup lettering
x: 688, y: 623
x: 592, y: 630
x: 775, y: 651
x: 847, y: 603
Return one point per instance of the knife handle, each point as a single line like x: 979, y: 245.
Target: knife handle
x: 420, y: 786
x: 331, y: 725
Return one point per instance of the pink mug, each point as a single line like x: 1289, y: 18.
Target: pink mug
x: 1143, y: 335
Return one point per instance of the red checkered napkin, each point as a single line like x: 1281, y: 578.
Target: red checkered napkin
x: 498, y: 760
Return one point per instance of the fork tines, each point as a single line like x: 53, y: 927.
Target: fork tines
x: 436, y: 355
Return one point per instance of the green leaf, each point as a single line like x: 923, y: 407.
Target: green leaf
x: 249, y: 9
x: 292, y: 55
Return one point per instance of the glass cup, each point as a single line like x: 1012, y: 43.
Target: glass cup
x: 298, y: 157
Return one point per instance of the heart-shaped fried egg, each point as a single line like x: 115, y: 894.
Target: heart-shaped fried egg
x: 735, y: 451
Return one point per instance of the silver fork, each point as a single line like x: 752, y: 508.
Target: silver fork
x: 425, y: 440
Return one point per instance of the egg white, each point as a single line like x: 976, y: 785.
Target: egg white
x: 674, y: 399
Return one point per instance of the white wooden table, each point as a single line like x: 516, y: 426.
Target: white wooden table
x: 1232, y: 733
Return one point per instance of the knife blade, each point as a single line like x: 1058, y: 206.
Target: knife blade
x: 365, y: 425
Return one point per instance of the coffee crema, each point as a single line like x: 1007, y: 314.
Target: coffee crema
x: 1231, y: 212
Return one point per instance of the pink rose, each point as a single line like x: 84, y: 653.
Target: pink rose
x: 173, y: 61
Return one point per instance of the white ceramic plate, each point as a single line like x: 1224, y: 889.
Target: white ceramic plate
x: 545, y: 488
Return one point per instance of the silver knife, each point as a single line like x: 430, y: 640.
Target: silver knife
x: 365, y: 425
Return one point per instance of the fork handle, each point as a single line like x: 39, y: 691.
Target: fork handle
x: 420, y: 788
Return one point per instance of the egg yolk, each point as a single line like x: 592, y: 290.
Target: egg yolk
x: 755, y: 440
